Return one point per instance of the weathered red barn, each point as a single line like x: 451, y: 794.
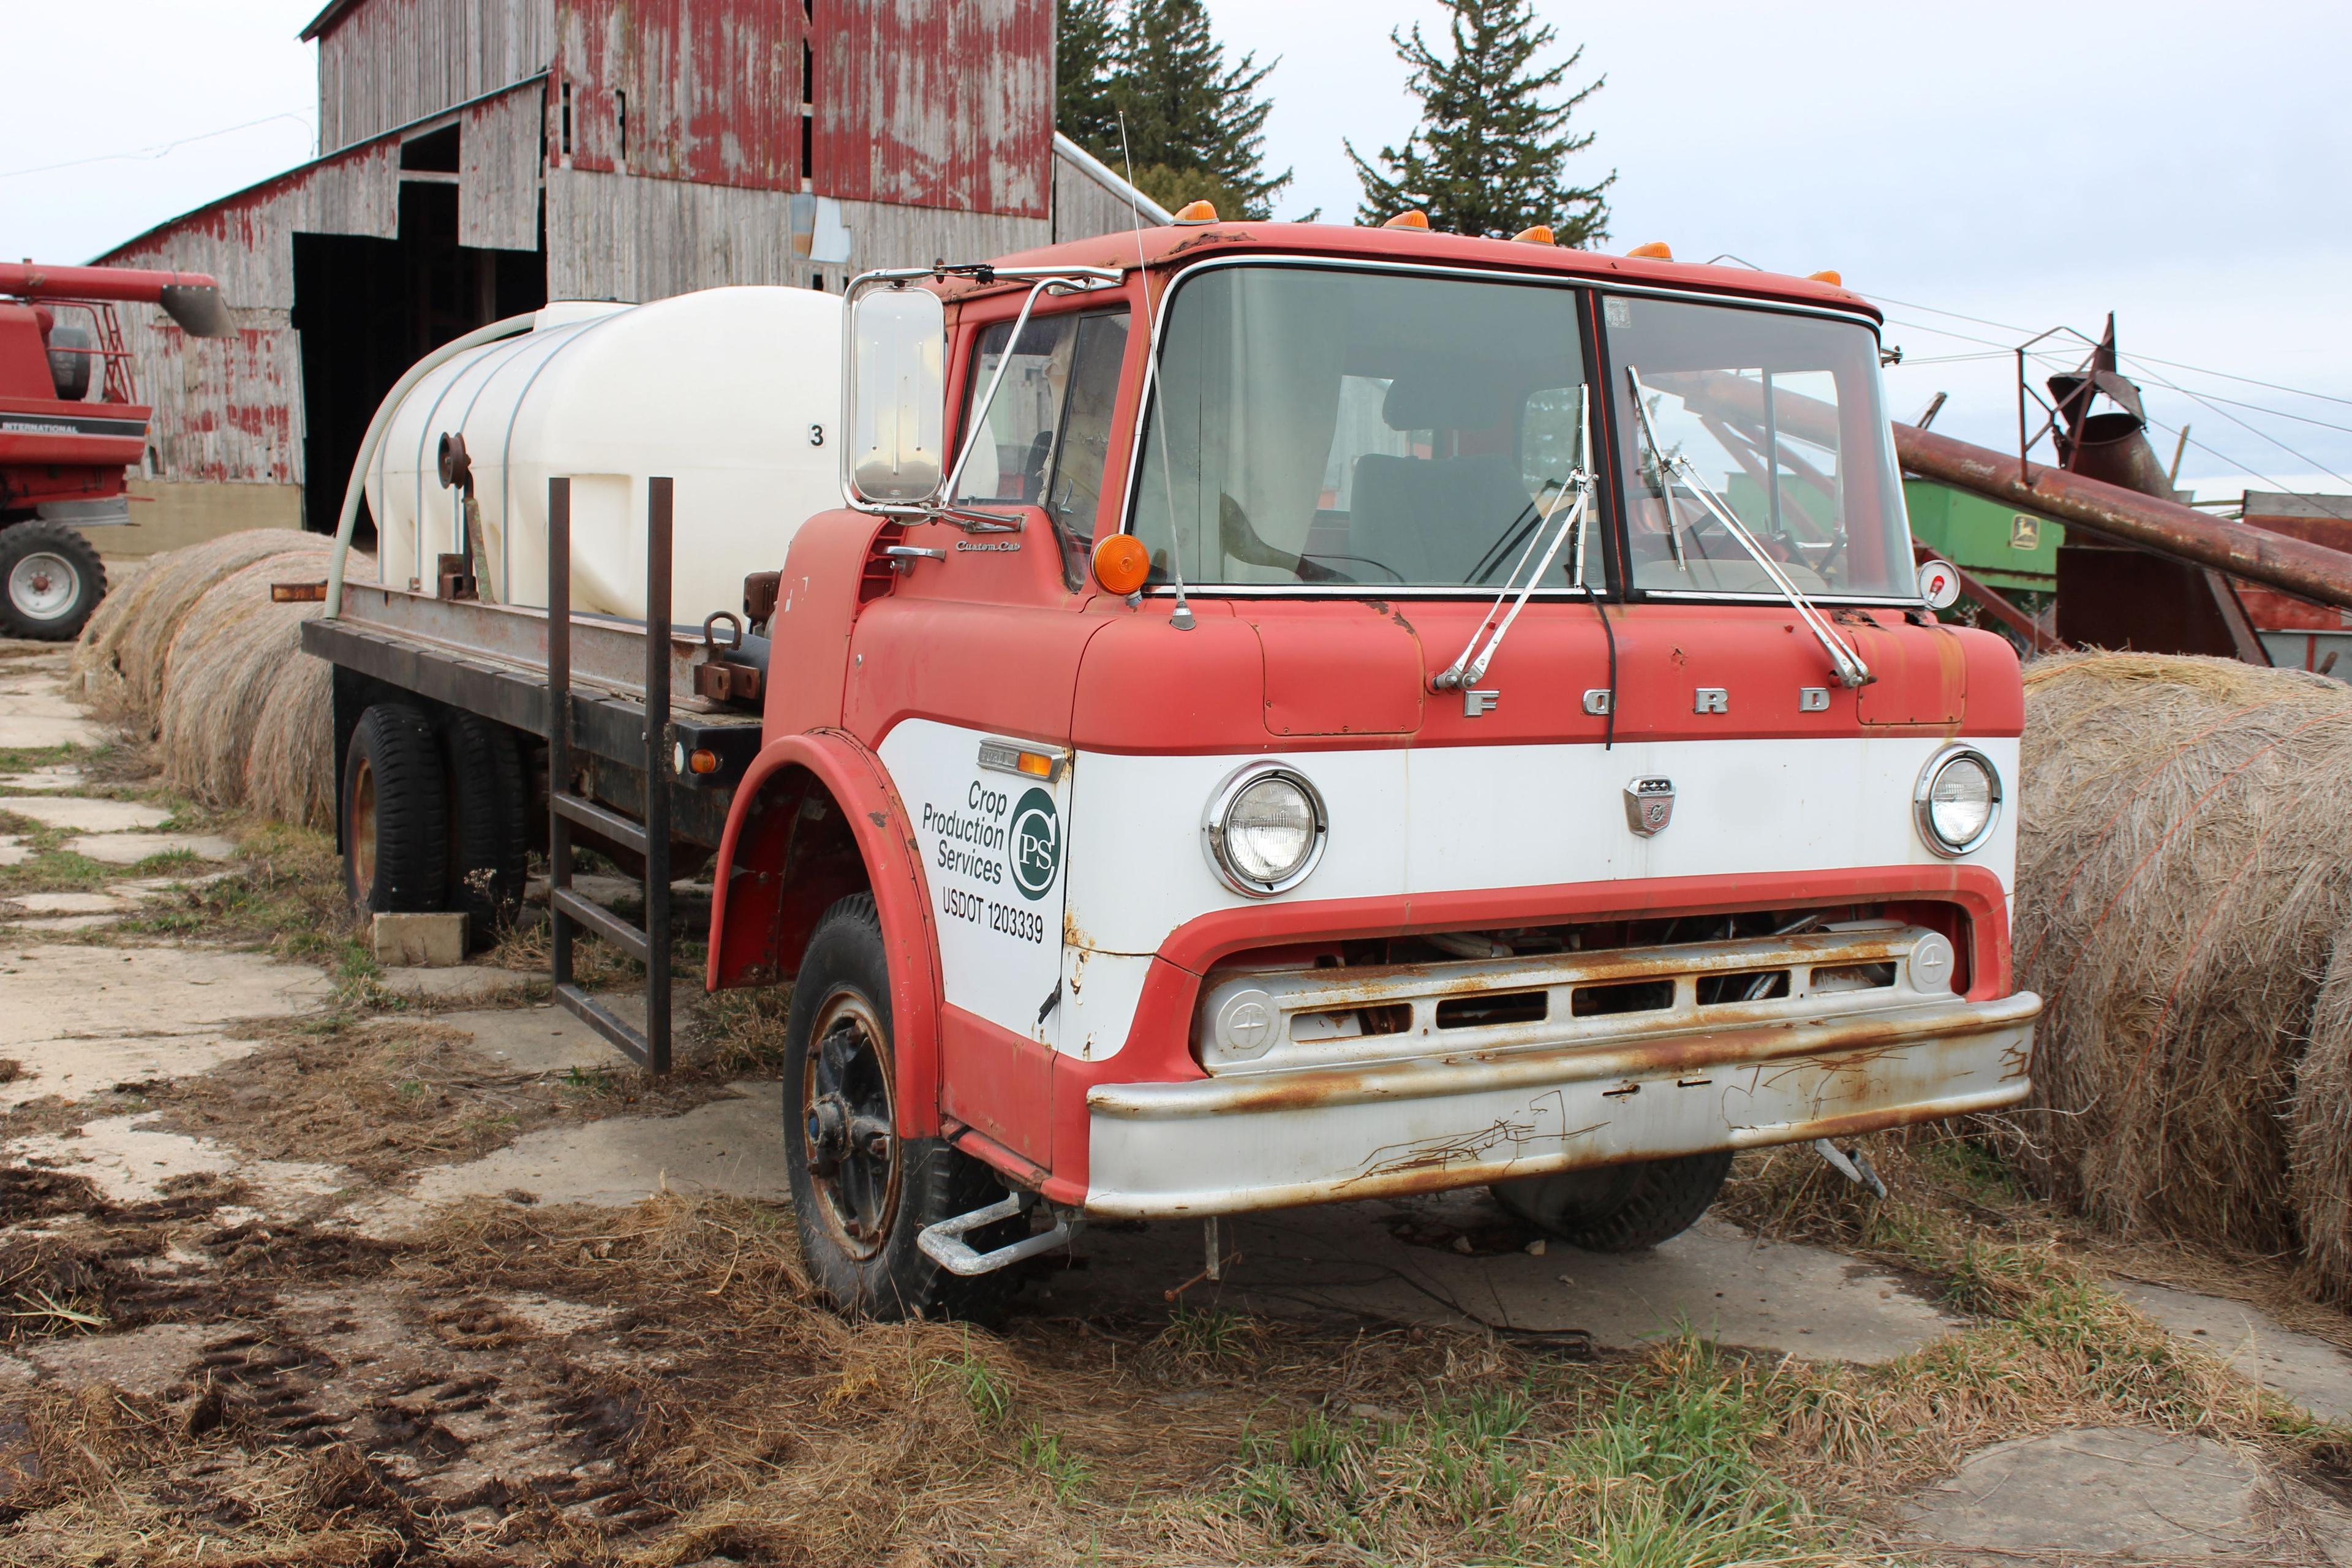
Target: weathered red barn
x: 485, y: 156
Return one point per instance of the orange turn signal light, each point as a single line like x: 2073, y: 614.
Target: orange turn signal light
x: 1036, y: 764
x: 701, y: 762
x: 1827, y: 274
x: 1197, y: 212
x: 1656, y: 250
x: 1121, y: 563
x: 1412, y: 217
x: 1539, y: 235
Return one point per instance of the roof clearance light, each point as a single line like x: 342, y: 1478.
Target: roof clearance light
x: 1412, y: 217
x: 1539, y: 235
x: 1198, y: 212
x: 1121, y: 563
x: 1828, y: 275
x: 1656, y: 250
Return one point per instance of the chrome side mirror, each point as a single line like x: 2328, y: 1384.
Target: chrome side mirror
x: 897, y: 397
x: 1939, y: 583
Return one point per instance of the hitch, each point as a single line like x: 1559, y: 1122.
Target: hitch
x: 944, y: 1243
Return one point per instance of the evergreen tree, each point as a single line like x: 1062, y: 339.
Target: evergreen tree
x: 1489, y: 156
x: 1195, y: 128
x: 1085, y: 50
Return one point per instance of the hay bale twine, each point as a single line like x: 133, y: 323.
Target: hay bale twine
x: 123, y: 653
x: 2184, y: 869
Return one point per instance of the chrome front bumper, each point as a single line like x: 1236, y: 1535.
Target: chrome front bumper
x: 1431, y: 1107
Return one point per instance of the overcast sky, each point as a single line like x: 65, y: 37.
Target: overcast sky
x: 2031, y: 164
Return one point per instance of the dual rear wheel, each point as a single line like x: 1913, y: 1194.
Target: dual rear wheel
x: 436, y: 815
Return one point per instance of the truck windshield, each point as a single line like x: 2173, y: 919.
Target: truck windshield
x: 1323, y: 427
x: 1780, y: 415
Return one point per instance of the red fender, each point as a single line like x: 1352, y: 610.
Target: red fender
x: 894, y: 871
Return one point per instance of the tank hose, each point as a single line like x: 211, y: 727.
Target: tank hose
x: 357, y: 488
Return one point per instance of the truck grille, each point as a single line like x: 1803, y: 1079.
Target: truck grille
x: 1274, y: 1019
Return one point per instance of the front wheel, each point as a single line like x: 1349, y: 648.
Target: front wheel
x: 861, y: 1193
x: 1619, y: 1208
x: 50, y: 581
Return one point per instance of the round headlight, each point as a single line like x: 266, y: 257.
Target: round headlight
x: 1265, y: 829
x: 1958, y: 800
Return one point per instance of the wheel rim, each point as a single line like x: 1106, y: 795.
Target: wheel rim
x: 44, y: 585
x: 363, y: 830
x: 846, y: 1125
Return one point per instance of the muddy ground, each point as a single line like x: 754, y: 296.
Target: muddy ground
x: 305, y: 1262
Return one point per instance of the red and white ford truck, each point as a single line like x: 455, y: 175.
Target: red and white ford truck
x: 1285, y: 714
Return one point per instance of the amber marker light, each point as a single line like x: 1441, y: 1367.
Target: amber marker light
x: 1412, y: 217
x: 1198, y: 212
x: 703, y: 762
x: 1828, y: 275
x: 1539, y: 235
x: 1121, y: 563
x: 1656, y: 250
x: 1036, y: 764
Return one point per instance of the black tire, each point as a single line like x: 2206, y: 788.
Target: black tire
x: 845, y: 988
x: 1619, y: 1208
x: 394, y: 814
x: 50, y: 580
x: 489, y: 828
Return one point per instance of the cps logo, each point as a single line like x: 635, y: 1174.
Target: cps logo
x: 1034, y: 844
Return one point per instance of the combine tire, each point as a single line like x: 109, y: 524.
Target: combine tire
x: 396, y: 813
x: 1619, y: 1208
x: 490, y: 830
x: 861, y: 1193
x: 50, y: 580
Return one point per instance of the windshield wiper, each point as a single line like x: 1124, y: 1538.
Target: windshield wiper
x: 1850, y: 670
x: 1479, y: 652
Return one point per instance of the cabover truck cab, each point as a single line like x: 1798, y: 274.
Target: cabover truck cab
x: 1295, y: 713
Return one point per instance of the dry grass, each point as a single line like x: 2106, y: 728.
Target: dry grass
x: 2185, y: 869
x: 726, y: 1413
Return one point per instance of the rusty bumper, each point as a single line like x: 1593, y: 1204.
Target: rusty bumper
x: 1224, y: 1145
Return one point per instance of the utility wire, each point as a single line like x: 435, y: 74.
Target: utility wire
x: 2150, y: 359
x: 2235, y: 402
x: 2279, y: 485
x: 156, y: 151
x: 2313, y: 463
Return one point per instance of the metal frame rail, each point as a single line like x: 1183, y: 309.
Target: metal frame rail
x: 567, y: 911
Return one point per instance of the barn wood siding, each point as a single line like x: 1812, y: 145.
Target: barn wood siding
x: 610, y: 237
x: 1089, y: 200
x: 500, y: 149
x: 937, y: 103
x: 711, y: 89
x: 230, y: 409
x: 387, y: 63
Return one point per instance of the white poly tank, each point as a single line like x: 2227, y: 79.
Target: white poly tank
x: 733, y: 393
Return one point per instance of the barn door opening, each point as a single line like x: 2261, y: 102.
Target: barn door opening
x: 368, y: 308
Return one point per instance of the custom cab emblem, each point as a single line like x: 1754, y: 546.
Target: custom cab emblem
x: 1649, y: 804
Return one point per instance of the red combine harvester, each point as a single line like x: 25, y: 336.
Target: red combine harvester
x: 70, y: 421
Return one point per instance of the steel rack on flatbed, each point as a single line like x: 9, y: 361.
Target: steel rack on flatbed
x: 616, y: 701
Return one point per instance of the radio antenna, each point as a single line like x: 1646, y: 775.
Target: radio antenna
x: 1181, y: 617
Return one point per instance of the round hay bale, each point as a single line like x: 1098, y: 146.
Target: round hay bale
x: 239, y: 696
x: 289, y: 769
x: 124, y: 652
x: 2184, y: 868
x: 2320, y: 1137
